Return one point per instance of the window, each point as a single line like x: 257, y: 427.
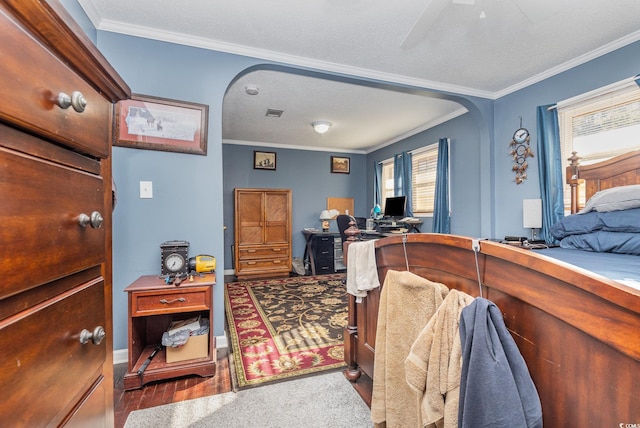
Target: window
x: 598, y: 126
x: 424, y: 165
x: 387, y: 181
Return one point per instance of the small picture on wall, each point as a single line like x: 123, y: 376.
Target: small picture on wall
x: 264, y: 160
x: 340, y: 165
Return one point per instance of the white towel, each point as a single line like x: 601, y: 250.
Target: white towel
x: 362, y: 271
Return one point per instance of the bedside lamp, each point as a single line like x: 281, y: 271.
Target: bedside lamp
x: 532, y: 215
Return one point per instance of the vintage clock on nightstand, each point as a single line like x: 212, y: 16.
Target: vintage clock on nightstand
x: 174, y: 257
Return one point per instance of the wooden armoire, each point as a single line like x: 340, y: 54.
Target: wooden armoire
x: 56, y: 115
x: 262, y: 232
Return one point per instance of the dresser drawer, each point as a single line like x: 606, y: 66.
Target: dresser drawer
x: 258, y: 252
x: 44, y: 366
x: 41, y: 237
x: 30, y: 82
x: 265, y: 265
x: 159, y: 302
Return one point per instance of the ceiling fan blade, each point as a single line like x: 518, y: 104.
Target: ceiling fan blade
x: 538, y: 10
x: 429, y: 15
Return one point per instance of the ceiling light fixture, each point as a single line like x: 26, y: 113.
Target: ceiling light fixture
x: 251, y: 90
x: 321, y: 126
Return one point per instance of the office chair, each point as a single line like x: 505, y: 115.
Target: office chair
x: 343, y: 224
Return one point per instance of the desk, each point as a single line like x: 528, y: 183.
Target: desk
x: 411, y: 226
x: 323, y: 251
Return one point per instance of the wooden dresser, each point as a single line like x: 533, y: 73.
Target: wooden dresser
x: 56, y: 112
x: 262, y: 232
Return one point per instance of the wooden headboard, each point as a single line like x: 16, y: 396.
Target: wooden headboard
x: 621, y: 170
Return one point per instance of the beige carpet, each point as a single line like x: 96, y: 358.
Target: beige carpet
x: 323, y: 400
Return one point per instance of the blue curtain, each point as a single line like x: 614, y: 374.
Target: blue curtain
x: 377, y: 184
x: 441, y: 213
x: 550, y: 168
x: 402, y: 179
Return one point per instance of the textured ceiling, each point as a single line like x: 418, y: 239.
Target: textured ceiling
x: 517, y: 43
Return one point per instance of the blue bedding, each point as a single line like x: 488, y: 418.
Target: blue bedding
x: 613, y: 231
x: 614, y: 221
x: 624, y: 268
x: 604, y: 242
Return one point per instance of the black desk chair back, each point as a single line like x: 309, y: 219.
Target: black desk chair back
x: 343, y: 224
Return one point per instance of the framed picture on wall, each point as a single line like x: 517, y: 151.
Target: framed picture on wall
x: 264, y: 160
x: 340, y: 165
x: 153, y: 123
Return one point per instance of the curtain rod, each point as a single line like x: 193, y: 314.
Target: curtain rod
x: 596, y: 92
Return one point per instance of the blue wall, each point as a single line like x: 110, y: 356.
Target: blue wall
x: 465, y: 149
x: 306, y: 173
x: 607, y: 69
x: 193, y: 194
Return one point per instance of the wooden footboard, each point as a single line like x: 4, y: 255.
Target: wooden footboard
x: 578, y: 332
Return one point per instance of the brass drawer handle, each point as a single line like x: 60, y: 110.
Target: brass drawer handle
x: 76, y: 100
x: 96, y: 336
x: 168, y: 302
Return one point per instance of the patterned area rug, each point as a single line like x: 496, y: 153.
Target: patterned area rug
x: 282, y: 328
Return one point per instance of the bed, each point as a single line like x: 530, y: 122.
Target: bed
x: 578, y: 331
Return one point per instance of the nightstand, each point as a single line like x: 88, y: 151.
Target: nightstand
x: 153, y: 305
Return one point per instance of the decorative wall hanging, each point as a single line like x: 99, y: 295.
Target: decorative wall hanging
x: 340, y: 165
x: 264, y: 160
x: 154, y: 123
x: 520, y: 150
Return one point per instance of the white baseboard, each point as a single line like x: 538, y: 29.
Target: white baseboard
x: 121, y: 356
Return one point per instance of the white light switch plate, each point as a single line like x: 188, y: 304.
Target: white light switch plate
x: 146, y: 190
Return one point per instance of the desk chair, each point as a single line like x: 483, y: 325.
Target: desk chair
x: 343, y: 224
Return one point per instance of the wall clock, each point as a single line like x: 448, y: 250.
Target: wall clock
x: 521, y: 136
x: 520, y: 150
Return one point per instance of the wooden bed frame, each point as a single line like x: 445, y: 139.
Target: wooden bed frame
x: 578, y: 332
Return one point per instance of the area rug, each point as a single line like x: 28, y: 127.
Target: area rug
x: 282, y: 328
x: 319, y: 401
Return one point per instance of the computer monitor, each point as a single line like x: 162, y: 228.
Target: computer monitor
x: 394, y: 206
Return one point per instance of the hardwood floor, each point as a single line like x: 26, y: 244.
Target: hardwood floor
x: 170, y: 391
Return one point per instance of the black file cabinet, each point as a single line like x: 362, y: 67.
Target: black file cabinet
x: 323, y: 253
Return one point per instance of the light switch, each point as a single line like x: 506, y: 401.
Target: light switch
x: 146, y: 190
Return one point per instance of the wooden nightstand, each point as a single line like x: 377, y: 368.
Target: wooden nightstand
x: 153, y: 305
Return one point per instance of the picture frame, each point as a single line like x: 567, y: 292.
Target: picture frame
x: 264, y: 160
x: 340, y: 165
x: 154, y: 123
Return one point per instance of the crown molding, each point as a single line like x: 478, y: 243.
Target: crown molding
x: 291, y: 146
x: 278, y: 57
x: 272, y: 56
x: 582, y: 59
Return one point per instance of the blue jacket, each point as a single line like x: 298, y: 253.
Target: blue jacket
x: 496, y: 389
